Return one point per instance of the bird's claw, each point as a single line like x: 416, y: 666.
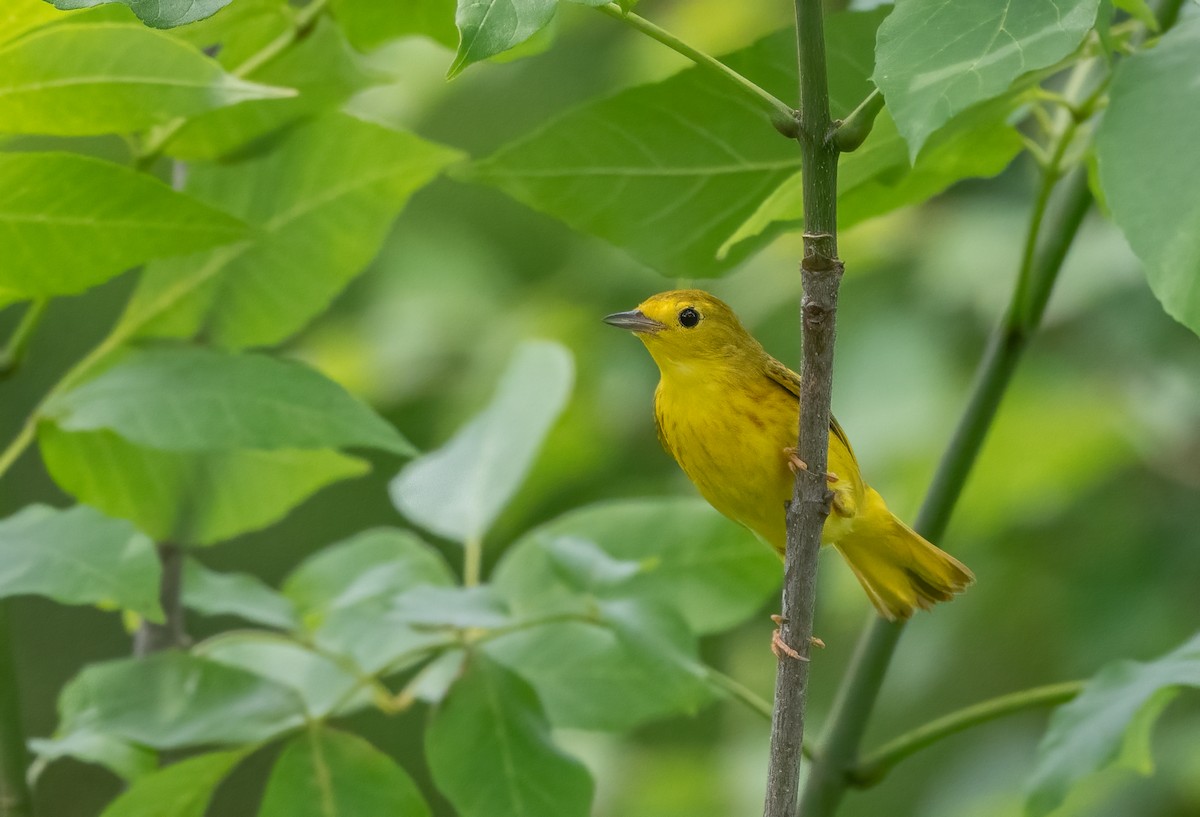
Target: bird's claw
x: 795, y: 465
x: 778, y: 647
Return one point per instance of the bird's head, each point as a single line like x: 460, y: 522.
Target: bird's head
x: 686, y: 326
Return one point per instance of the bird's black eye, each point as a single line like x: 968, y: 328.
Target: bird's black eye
x: 688, y: 317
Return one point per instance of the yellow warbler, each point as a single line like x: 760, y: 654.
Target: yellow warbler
x: 728, y: 412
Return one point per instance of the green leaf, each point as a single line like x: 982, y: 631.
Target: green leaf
x: 321, y: 67
x: 110, y: 78
x: 321, y: 217
x: 694, y: 561
x: 182, y: 789
x: 20, y: 16
x: 235, y: 594
x: 935, y: 59
x: 1139, y: 10
x: 327, y: 773
x: 188, y: 398
x: 641, y: 665
x: 490, y: 27
x: 1109, y: 721
x: 156, y: 13
x: 1149, y: 165
x: 368, y: 24
x: 325, y: 687
x: 173, y: 700
x: 458, y: 490
x: 188, y: 497
x: 123, y: 758
x: 79, y: 556
x: 241, y: 31
x: 669, y: 171
x: 490, y: 753
x: 379, y: 563
x: 70, y: 222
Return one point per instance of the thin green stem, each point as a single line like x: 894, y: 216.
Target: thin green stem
x: 781, y: 113
x: 15, y: 799
x: 851, y: 132
x: 876, y: 765
x: 12, y: 356
x: 473, y: 561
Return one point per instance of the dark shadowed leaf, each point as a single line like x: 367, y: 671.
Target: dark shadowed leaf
x: 182, y: 789
x: 1149, y: 165
x: 512, y: 768
x: 111, y: 78
x: 79, y: 556
x: 157, y: 13
x: 116, y: 219
x: 235, y: 594
x: 327, y: 773
x: 458, y: 490
x: 1110, y: 722
x: 188, y: 497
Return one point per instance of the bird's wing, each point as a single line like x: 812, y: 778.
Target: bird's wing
x: 790, y: 381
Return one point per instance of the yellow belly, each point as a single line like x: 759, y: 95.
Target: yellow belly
x: 730, y: 442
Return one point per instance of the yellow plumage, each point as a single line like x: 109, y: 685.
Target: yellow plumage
x: 726, y: 410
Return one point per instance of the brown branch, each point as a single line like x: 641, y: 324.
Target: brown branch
x: 150, y: 637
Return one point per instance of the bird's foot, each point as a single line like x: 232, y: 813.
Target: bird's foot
x: 795, y: 465
x: 778, y: 647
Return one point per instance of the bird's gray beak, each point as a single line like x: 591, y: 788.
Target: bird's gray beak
x: 634, y: 321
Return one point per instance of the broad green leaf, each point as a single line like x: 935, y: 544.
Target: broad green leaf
x: 490, y: 27
x: 457, y: 607
x: 323, y: 70
x: 235, y: 594
x: 1149, y: 165
x: 638, y: 665
x: 188, y: 497
x: 324, y: 686
x: 669, y: 171
x: 240, y: 31
x: 172, y: 700
x: 877, y: 178
x: 157, y: 13
x: 79, y: 556
x: 458, y: 490
x: 368, y: 24
x: 935, y: 59
x: 182, y: 789
x: 110, y: 78
x: 70, y: 222
x: 188, y: 398
x: 379, y: 563
x: 321, y: 216
x: 490, y: 752
x: 693, y: 560
x: 123, y: 758
x: 328, y: 773
x: 20, y: 16
x: 1109, y: 721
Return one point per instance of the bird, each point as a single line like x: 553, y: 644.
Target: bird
x: 728, y: 413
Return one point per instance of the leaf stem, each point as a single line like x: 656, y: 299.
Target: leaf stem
x: 782, y: 115
x: 871, y: 769
x: 15, y: 798
x: 473, y: 561
x: 13, y: 355
x: 151, y: 638
x: 821, y: 274
x: 851, y: 132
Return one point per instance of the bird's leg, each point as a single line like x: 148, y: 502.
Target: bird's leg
x: 796, y: 464
x: 780, y: 649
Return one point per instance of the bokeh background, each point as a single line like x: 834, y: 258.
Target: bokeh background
x: 1081, y: 519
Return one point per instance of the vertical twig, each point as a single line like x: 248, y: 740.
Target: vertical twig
x: 821, y: 274
x: 15, y: 799
x: 151, y: 638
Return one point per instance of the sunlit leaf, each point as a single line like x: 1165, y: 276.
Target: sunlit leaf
x: 114, y: 218
x: 692, y: 559
x: 512, y: 768
x: 79, y: 556
x: 110, y: 78
x: 235, y: 594
x: 182, y: 789
x: 157, y: 13
x: 188, y: 398
x: 321, y: 216
x: 935, y: 59
x: 188, y: 497
x: 458, y: 490
x: 327, y: 773
x: 490, y: 27
x: 1149, y: 165
x: 1110, y: 720
x: 20, y: 16
x: 141, y: 700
